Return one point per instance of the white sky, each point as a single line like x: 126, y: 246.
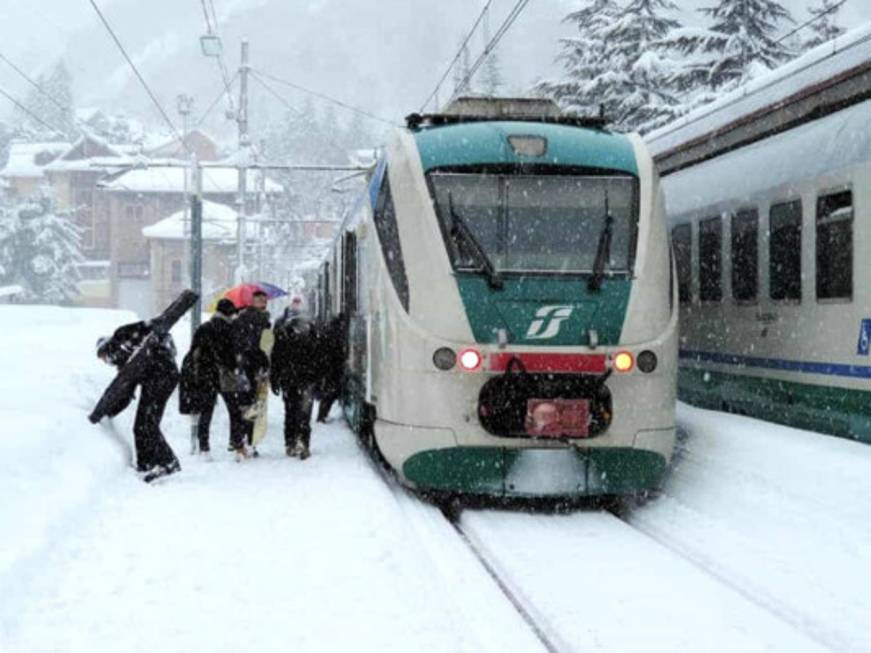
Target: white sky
x: 379, y: 67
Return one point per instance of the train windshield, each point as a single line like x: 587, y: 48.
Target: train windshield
x: 537, y: 223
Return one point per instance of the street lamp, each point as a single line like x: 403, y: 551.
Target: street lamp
x: 211, y: 45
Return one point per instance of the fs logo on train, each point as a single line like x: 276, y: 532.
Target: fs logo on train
x: 548, y: 321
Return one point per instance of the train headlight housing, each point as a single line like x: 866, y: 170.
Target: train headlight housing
x: 471, y: 360
x: 647, y: 361
x: 623, y: 362
x: 444, y: 358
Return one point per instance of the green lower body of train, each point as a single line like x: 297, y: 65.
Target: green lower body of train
x: 835, y: 411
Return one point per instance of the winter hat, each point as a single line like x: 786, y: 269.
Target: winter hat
x: 226, y: 307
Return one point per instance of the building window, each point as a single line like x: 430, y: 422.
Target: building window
x: 682, y: 241
x: 745, y: 255
x: 134, y: 212
x: 710, y: 260
x: 176, y: 271
x: 835, y: 246
x: 784, y: 251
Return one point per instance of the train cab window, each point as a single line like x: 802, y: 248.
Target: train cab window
x: 710, y: 260
x: 835, y: 246
x: 681, y: 238
x: 388, y: 235
x: 745, y: 255
x: 784, y: 251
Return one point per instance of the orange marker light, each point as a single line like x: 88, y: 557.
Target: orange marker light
x: 623, y: 361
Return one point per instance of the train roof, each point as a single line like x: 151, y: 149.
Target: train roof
x: 504, y: 142
x: 776, y: 166
x: 827, y: 79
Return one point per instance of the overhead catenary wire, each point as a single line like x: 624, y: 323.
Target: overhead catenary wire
x: 34, y: 84
x: 293, y: 109
x: 512, y: 17
x: 212, y: 29
x: 217, y: 100
x: 324, y: 97
x: 139, y: 76
x: 30, y: 113
x: 457, y: 56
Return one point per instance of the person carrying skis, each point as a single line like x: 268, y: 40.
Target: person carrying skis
x: 248, y: 329
x: 334, y: 352
x: 156, y: 375
x: 211, y: 368
x: 294, y: 374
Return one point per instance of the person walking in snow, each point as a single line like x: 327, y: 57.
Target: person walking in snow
x: 248, y: 330
x: 295, y: 372
x: 156, y: 374
x: 334, y: 352
x: 212, y: 368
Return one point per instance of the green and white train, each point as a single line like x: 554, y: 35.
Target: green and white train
x: 513, y: 314
x: 769, y: 201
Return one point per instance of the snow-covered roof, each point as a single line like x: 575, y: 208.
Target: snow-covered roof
x: 172, y: 180
x: 28, y: 160
x: 76, y: 157
x: 219, y: 224
x: 817, y: 65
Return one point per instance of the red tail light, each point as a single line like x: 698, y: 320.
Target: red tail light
x: 470, y: 360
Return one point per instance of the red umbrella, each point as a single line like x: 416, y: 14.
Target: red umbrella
x: 243, y: 294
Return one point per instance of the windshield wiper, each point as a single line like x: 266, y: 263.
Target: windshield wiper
x: 460, y: 228
x: 603, y: 251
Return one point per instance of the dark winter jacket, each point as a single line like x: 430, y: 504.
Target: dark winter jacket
x: 213, y: 349
x: 142, y: 356
x: 248, y: 327
x: 334, y: 350
x: 296, y: 357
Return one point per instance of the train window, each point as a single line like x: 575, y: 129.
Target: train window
x: 784, y: 251
x: 745, y: 255
x: 835, y: 246
x: 349, y: 274
x: 681, y: 238
x: 710, y: 260
x: 388, y: 235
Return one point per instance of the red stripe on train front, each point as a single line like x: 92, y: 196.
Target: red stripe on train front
x: 596, y: 363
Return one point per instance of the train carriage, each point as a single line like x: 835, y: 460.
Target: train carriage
x: 769, y: 202
x: 511, y: 307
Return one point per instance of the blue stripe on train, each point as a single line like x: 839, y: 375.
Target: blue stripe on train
x: 807, y: 367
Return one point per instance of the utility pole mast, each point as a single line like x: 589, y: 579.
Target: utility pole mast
x: 185, y: 104
x: 196, y: 255
x: 244, y: 151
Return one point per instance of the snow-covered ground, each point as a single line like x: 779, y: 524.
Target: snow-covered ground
x: 760, y: 542
x: 270, y: 555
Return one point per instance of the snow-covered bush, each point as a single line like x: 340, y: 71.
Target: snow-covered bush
x: 39, y: 250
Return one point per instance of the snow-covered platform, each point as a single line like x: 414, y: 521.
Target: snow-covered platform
x: 759, y: 543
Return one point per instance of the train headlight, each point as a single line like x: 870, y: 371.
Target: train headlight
x: 444, y: 358
x: 471, y: 359
x: 647, y: 361
x: 623, y: 362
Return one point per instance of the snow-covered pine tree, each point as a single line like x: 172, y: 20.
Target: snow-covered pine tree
x: 463, y: 85
x: 54, y: 105
x: 739, y: 44
x: 491, y: 76
x: 583, y: 58
x: 635, y: 88
x: 39, y: 250
x: 824, y: 28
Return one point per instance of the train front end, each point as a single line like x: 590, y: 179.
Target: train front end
x: 535, y: 354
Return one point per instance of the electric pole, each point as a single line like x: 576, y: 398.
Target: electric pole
x: 185, y: 105
x: 244, y: 151
x: 196, y: 261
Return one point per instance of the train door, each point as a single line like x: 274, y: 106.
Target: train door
x: 356, y: 323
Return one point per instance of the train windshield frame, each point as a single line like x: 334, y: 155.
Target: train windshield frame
x: 537, y: 223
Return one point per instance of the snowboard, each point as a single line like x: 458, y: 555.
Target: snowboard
x: 267, y: 342
x: 120, y: 392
